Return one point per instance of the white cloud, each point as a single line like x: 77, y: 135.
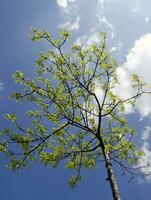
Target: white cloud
x: 123, y: 88
x: 64, y: 3
x: 81, y: 40
x: 137, y: 9
x: 92, y: 38
x: 146, y: 159
x: 117, y: 47
x: 101, y: 2
x: 88, y: 39
x: 146, y: 133
x: 71, y: 26
x: 114, y: 48
x: 147, y: 19
x: 139, y: 57
x: 125, y: 91
x: 101, y: 17
x: 106, y: 22
x: 103, y: 22
x: 145, y: 162
x: 99, y: 93
x: 138, y: 61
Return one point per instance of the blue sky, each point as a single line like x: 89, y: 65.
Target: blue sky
x: 128, y: 25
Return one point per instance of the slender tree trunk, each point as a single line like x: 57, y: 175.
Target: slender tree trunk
x: 111, y: 177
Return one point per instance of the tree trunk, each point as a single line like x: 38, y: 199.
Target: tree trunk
x: 111, y: 177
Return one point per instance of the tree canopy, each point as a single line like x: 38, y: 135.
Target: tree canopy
x: 78, y: 116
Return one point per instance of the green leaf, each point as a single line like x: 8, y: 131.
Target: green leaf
x: 12, y: 117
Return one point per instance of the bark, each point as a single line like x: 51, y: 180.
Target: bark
x: 111, y: 178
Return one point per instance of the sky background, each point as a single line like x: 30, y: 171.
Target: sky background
x: 128, y: 27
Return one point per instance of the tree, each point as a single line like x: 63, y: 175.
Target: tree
x: 78, y: 117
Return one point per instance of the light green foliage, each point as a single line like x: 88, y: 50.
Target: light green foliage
x: 11, y: 117
x: 71, y: 123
